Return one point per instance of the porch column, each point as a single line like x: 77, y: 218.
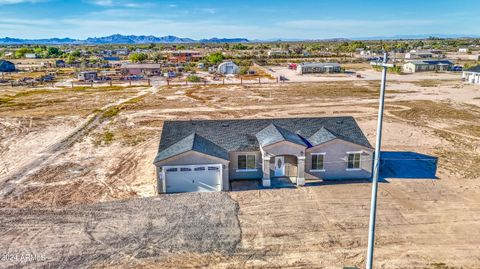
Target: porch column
x: 266, y: 171
x: 301, y: 170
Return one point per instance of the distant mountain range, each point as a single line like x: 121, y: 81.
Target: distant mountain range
x: 119, y: 39
x: 407, y: 37
x: 170, y: 39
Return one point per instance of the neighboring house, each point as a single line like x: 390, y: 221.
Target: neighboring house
x: 121, y: 52
x: 413, y: 54
x: 6, y: 66
x: 183, y: 56
x: 206, y: 155
x: 472, y: 74
x: 418, y: 55
x: 308, y: 68
x: 87, y: 76
x: 141, y: 69
x: 427, y: 65
x: 31, y: 56
x: 275, y: 53
x: 463, y: 50
x: 228, y: 68
x: 60, y: 63
x: 111, y: 59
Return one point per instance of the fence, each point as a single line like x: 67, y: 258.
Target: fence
x: 72, y: 84
x: 240, y: 81
x: 144, y: 82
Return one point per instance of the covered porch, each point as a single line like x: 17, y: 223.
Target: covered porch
x: 282, y: 169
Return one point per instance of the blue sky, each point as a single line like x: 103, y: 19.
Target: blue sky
x: 250, y: 19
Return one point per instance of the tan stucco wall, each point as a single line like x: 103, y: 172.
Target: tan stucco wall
x: 284, y: 148
x: 234, y: 174
x: 192, y: 158
x: 335, y: 161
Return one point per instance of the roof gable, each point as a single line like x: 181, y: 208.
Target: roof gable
x: 273, y: 134
x: 321, y: 136
x: 475, y: 69
x: 193, y: 142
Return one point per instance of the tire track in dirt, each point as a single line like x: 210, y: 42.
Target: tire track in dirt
x: 406, y: 108
x: 9, y: 181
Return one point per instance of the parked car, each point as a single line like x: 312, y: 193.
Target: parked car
x: 457, y: 68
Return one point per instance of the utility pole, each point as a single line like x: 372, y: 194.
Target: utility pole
x: 376, y: 163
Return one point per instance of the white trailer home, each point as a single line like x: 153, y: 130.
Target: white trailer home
x: 310, y: 68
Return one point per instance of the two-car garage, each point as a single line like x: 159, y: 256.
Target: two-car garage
x: 192, y: 178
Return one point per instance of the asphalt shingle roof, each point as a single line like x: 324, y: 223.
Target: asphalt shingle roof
x: 321, y: 136
x: 273, y: 134
x: 475, y: 69
x: 431, y: 62
x: 6, y: 66
x: 192, y: 142
x: 218, y: 137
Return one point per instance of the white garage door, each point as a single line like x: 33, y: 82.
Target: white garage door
x: 193, y: 178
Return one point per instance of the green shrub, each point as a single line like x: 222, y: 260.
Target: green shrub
x: 194, y: 78
x: 108, y: 137
x: 111, y: 112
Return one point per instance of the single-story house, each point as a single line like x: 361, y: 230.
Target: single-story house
x: 111, y: 58
x: 472, y: 74
x: 432, y: 53
x: 6, y: 66
x: 227, y: 68
x: 309, y: 68
x: 206, y: 155
x: 275, y: 53
x: 427, y: 65
x: 147, y: 69
x: 87, y: 76
x: 418, y: 55
x: 31, y: 56
x: 183, y: 56
x: 60, y: 64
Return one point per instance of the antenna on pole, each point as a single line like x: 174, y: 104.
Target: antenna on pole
x: 376, y: 163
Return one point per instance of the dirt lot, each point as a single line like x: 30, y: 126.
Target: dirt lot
x: 364, y: 70
x: 93, y: 148
x: 120, y: 233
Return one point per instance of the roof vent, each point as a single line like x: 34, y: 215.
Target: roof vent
x: 339, y: 121
x: 193, y: 123
x: 225, y: 125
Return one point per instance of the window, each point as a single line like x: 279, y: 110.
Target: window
x: 246, y: 162
x: 317, y: 161
x: 213, y: 168
x: 199, y: 168
x: 184, y: 169
x: 353, y: 161
x: 172, y: 170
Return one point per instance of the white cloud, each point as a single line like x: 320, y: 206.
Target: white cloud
x: 13, y: 2
x: 112, y: 3
x: 208, y: 10
x: 103, y: 3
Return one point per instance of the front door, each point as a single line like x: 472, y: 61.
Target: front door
x: 279, y: 166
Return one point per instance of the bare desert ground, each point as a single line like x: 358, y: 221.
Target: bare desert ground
x: 73, y: 160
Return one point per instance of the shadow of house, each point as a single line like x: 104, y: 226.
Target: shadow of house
x: 407, y: 164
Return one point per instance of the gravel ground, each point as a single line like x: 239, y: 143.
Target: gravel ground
x: 104, y: 234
